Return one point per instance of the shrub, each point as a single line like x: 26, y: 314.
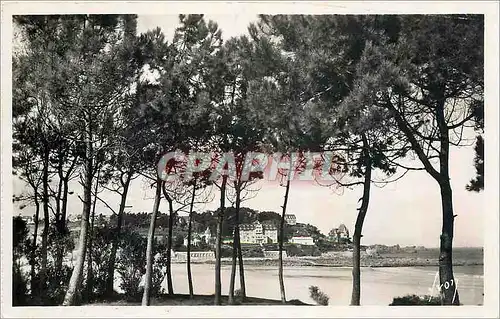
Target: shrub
x: 159, y: 268
x: 20, y: 248
x: 19, y: 287
x: 131, y: 263
x: 252, y: 252
x: 226, y: 251
x: 57, y: 283
x: 318, y: 296
x: 414, y: 300
x: 178, y: 242
x: 102, y: 238
x: 238, y: 297
x: 20, y: 241
x: 237, y: 293
x: 292, y: 250
x: 315, y: 251
x: 131, y: 285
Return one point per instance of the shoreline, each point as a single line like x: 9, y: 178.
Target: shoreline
x: 343, y: 262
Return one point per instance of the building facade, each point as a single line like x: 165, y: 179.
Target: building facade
x: 302, y: 240
x: 290, y: 219
x: 339, y: 235
x: 258, y: 233
x: 198, y: 238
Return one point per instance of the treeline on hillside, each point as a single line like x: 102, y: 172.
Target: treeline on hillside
x: 208, y: 219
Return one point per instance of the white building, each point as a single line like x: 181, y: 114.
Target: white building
x: 197, y: 238
x: 302, y: 240
x: 290, y: 219
x: 258, y: 233
x: 340, y: 234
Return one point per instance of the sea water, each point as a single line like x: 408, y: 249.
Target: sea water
x: 378, y: 285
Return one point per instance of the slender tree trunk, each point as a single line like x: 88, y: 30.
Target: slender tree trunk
x: 59, y: 249
x: 190, y: 229
x: 149, y: 251
x: 235, y: 245
x: 171, y: 217
x: 356, y: 254
x: 218, y: 243
x: 76, y: 276
x: 59, y: 196
x: 281, y: 240
x: 64, y: 207
x: 46, y: 224
x: 33, y: 284
x: 356, y: 271
x: 241, y: 270
x: 110, y: 278
x: 234, y: 258
x: 90, y: 272
x: 449, y: 290
x: 89, y: 287
x: 62, y: 225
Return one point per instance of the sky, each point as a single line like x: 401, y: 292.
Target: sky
x: 231, y: 25
x: 406, y: 212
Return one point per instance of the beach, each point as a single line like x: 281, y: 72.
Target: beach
x: 382, y: 277
x: 378, y: 285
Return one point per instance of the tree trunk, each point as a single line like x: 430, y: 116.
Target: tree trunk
x: 59, y: 195
x: 190, y: 229
x: 232, y: 279
x: 356, y: 254
x: 447, y: 282
x: 235, y: 245
x: 62, y: 226
x: 280, y: 243
x: 149, y: 250
x: 218, y: 243
x: 46, y: 224
x: 64, y: 208
x: 242, y: 270
x: 90, y: 273
x: 356, y: 271
x: 76, y: 276
x: 169, y: 246
x: 449, y: 291
x: 110, y: 278
x: 33, y: 285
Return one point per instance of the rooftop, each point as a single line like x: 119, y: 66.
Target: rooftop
x: 265, y: 226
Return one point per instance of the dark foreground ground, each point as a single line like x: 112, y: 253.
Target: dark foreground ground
x: 197, y: 300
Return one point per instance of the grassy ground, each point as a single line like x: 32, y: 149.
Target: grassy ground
x: 197, y: 300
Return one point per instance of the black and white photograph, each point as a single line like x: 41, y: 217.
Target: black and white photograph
x: 238, y: 154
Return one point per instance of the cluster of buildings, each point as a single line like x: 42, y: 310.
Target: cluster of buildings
x: 267, y: 233
x: 259, y: 233
x: 339, y: 234
x: 197, y: 238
